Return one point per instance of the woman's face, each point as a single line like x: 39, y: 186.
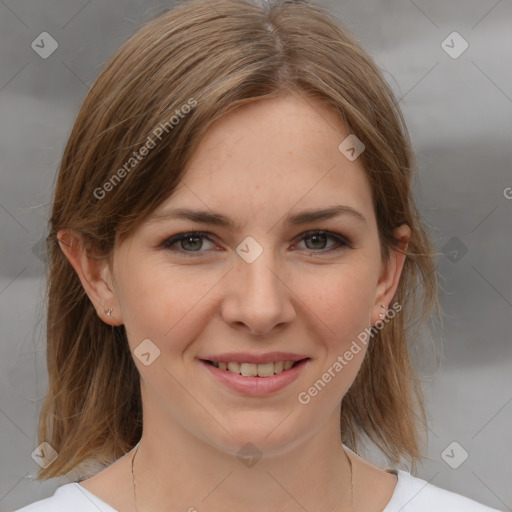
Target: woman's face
x: 259, y: 285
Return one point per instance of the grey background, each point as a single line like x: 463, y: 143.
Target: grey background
x: 459, y: 115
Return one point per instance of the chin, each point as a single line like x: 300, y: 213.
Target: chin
x: 256, y: 438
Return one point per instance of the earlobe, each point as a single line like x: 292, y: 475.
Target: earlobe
x: 93, y: 272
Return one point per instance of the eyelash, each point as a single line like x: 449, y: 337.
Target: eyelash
x: 169, y: 242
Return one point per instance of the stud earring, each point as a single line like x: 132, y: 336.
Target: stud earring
x: 382, y: 315
x: 109, y: 312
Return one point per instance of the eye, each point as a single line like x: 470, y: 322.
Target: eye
x: 187, y: 242
x: 191, y: 243
x: 319, y: 240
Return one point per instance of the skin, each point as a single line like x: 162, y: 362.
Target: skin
x: 255, y: 165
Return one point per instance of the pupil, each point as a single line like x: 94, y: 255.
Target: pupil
x: 317, y: 238
x: 188, y: 239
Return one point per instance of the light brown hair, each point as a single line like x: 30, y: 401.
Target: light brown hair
x: 221, y: 53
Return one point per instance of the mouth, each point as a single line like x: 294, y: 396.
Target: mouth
x: 256, y: 379
x: 263, y: 370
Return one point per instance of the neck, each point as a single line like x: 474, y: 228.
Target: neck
x: 180, y: 471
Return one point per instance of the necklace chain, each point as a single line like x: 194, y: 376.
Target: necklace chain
x: 346, y: 455
x: 133, y: 477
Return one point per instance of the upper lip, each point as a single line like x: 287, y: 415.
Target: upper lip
x: 245, y: 357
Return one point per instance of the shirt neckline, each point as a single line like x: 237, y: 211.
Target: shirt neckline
x: 400, y: 474
x: 105, y: 507
x: 391, y: 504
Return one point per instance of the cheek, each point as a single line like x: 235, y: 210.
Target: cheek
x: 345, y: 306
x: 162, y: 304
x: 344, y: 299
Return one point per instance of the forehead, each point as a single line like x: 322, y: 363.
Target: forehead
x: 271, y: 155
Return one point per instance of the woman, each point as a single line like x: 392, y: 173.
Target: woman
x: 236, y: 262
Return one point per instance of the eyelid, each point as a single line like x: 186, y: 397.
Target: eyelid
x: 174, y: 239
x: 342, y: 242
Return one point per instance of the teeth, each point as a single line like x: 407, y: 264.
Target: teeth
x: 265, y: 370
x: 253, y: 370
x: 249, y: 370
x: 234, y: 367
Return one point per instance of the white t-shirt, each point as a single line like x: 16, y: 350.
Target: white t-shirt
x: 411, y: 495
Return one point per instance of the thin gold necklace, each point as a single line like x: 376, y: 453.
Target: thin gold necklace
x: 346, y: 455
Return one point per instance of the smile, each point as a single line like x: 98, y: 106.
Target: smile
x: 254, y: 370
x: 255, y: 379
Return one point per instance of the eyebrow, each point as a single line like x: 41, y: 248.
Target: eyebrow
x: 217, y: 219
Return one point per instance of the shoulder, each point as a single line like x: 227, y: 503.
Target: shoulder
x: 416, y: 495
x: 69, y: 497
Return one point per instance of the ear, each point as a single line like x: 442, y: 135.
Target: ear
x: 94, y: 273
x: 391, y: 271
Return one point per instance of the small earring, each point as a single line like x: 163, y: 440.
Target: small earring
x: 109, y: 312
x: 382, y: 315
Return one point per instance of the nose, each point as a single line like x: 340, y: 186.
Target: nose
x: 258, y: 297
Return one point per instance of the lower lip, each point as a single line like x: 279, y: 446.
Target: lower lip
x: 256, y: 386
